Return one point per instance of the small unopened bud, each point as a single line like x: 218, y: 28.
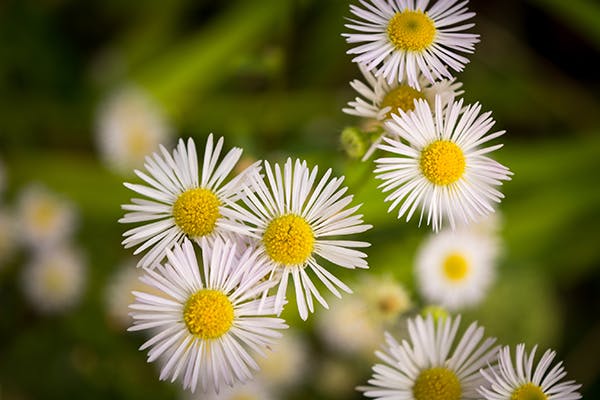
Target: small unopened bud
x: 354, y: 142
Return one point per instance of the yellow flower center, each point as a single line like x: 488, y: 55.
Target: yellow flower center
x: 442, y: 162
x: 411, y: 30
x: 529, y: 391
x: 437, y: 384
x: 456, y: 267
x: 196, y: 211
x: 402, y: 97
x: 208, y: 314
x: 289, y: 239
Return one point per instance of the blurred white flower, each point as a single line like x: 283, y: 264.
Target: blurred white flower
x: 348, y: 328
x: 286, y: 364
x: 54, y: 280
x: 118, y: 292
x: 385, y: 298
x: 455, y: 269
x: 44, y: 218
x: 254, y: 390
x: 130, y: 126
x: 8, y: 238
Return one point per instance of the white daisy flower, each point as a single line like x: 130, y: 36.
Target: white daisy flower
x: 129, y: 127
x: 443, y: 170
x: 55, y: 279
x: 423, y: 368
x: 181, y: 201
x: 294, y: 221
x: 381, y: 99
x: 520, y: 381
x: 207, y: 318
x: 456, y: 268
x: 44, y: 219
x: 402, y: 38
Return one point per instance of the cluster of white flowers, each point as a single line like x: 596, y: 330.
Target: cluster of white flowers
x: 435, y: 164
x: 254, y: 230
x: 220, y: 243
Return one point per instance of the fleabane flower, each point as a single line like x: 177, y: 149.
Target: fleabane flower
x: 55, y: 279
x: 380, y: 99
x: 44, y: 218
x: 294, y: 221
x: 520, y: 381
x: 181, y: 201
x: 129, y: 127
x: 402, y: 38
x: 437, y: 163
x: 207, y: 319
x: 430, y: 366
x: 456, y: 268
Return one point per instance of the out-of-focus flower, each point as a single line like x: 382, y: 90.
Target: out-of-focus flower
x: 401, y: 39
x: 254, y: 390
x: 385, y: 298
x: 54, y: 281
x: 430, y: 366
x: 8, y: 237
x: 129, y: 127
x: 207, y: 318
x: 520, y: 381
x: 44, y: 219
x: 442, y: 172
x: 180, y: 200
x: 348, y: 327
x: 456, y: 268
x: 118, y: 292
x: 294, y: 220
x: 286, y: 364
x: 337, y: 378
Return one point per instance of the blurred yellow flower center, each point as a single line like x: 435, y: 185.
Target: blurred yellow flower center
x: 45, y: 213
x: 289, y: 239
x: 442, y: 162
x: 402, y: 97
x: 411, y: 30
x: 137, y: 142
x: 456, y: 267
x: 528, y: 391
x: 55, y: 280
x: 437, y: 384
x: 196, y: 212
x: 208, y: 314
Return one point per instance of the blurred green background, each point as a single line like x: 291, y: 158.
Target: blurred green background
x: 272, y: 76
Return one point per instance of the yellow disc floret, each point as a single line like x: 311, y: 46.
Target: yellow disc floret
x: 437, y: 383
x: 411, y: 30
x: 456, y: 267
x: 196, y: 211
x: 529, y: 391
x: 442, y: 162
x: 208, y: 314
x: 289, y: 239
x: 402, y: 97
